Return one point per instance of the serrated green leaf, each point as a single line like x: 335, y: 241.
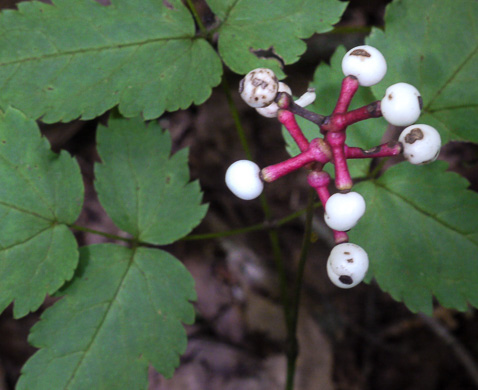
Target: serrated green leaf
x: 279, y: 25
x: 428, y: 241
x: 122, y: 312
x: 41, y: 193
x: 79, y: 58
x: 434, y: 47
x: 366, y: 134
x: 145, y: 191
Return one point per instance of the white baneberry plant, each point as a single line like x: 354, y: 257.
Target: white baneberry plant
x: 362, y: 66
x: 120, y: 306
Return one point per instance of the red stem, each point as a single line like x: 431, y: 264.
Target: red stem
x: 389, y: 149
x: 276, y: 171
x: 343, y: 181
x: 349, y: 86
x: 340, y: 237
x: 371, y: 110
x: 287, y: 118
x: 317, y: 151
x: 319, y: 180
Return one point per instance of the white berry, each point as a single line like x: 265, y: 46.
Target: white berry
x: 307, y: 98
x: 366, y: 63
x: 347, y: 265
x: 401, y: 105
x: 343, y: 211
x: 242, y: 178
x: 259, y: 87
x: 270, y: 111
x: 421, y: 144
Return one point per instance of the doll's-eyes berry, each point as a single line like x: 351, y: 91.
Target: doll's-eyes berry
x: 347, y: 265
x: 421, y: 144
x: 259, y: 87
x: 401, y: 105
x: 242, y: 178
x: 270, y: 111
x: 365, y: 63
x: 343, y: 211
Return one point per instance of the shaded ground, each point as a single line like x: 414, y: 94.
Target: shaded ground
x: 349, y: 340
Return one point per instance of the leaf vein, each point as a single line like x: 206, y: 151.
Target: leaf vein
x: 102, y: 321
x: 432, y: 216
x: 5, y: 248
x: 452, y: 77
x: 118, y: 46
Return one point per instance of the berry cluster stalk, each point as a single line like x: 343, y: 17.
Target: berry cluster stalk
x: 333, y: 127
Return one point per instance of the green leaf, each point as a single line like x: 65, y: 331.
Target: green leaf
x: 428, y: 241
x: 79, y: 58
x: 122, y: 312
x: 425, y: 46
x: 41, y: 193
x: 366, y: 134
x: 279, y: 25
x: 146, y: 192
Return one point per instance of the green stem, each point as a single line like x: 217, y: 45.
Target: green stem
x: 206, y: 236
x: 273, y: 234
x: 293, y: 346
x: 100, y: 233
x: 373, y: 173
x: 197, y: 18
x: 236, y: 118
x: 249, y: 229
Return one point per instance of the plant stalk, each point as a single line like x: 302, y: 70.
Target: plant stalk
x: 273, y: 235
x: 292, y: 343
x: 100, y: 233
x: 197, y: 18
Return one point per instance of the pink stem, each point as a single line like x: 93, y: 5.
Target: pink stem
x: 372, y: 110
x: 339, y: 121
x: 274, y: 172
x: 343, y: 181
x: 340, y: 237
x: 349, y: 86
x: 389, y: 149
x: 287, y: 118
x: 319, y: 180
x: 317, y: 151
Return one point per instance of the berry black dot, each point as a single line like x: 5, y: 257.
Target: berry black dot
x: 345, y: 279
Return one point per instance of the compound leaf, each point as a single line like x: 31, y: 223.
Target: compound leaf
x: 80, y: 58
x: 41, y: 193
x: 122, y: 312
x: 428, y: 241
x: 424, y: 47
x: 146, y: 192
x: 251, y: 26
x: 366, y: 134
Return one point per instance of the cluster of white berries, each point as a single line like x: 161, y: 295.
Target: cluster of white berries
x: 401, y: 105
x: 348, y: 263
